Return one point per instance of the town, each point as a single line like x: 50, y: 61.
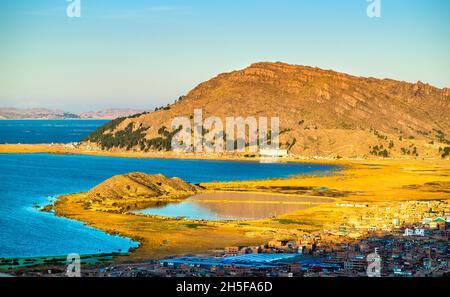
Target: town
x: 411, y: 238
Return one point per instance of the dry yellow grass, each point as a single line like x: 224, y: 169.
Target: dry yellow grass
x: 160, y: 237
x: 374, y: 182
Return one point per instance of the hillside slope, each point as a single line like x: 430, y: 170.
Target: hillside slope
x: 139, y: 185
x: 322, y: 113
x: 136, y: 190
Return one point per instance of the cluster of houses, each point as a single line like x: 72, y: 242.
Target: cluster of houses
x: 410, y: 238
x: 407, y: 250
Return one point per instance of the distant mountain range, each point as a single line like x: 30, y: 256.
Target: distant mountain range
x: 322, y: 113
x: 56, y: 114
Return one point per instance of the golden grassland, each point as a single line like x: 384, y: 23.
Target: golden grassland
x: 366, y: 181
x: 374, y: 182
x: 362, y: 183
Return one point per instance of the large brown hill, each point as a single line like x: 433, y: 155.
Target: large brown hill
x: 322, y: 113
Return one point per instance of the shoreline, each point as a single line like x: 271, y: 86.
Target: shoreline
x: 210, y: 235
x: 37, y: 261
x: 66, y: 149
x: 62, y: 149
x: 378, y: 182
x: 134, y: 238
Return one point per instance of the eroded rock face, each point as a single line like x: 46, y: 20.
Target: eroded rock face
x: 326, y: 112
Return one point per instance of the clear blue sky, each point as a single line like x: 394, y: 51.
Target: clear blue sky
x: 142, y: 54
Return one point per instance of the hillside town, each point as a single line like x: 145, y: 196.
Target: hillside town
x: 411, y: 239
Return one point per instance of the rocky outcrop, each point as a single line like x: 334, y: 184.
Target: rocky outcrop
x: 139, y: 185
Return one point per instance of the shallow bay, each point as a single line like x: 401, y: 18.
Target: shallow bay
x: 27, y: 179
x: 234, y: 206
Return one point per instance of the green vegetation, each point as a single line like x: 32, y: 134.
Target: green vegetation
x: 138, y: 115
x: 105, y: 139
x: 160, y: 143
x: 127, y: 138
x: 130, y: 137
x: 289, y: 222
x: 424, y: 133
x: 441, y: 137
x: 290, y: 145
x: 167, y: 107
x: 445, y: 152
x: 391, y: 144
x: 379, y: 151
x: 194, y: 226
x: 286, y: 130
x: 98, y: 134
x: 410, y: 151
x: 378, y: 134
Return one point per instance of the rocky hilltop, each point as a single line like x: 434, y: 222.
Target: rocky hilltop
x: 137, y: 184
x: 322, y: 113
x: 135, y: 190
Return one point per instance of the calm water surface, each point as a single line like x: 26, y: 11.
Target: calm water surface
x: 234, y: 206
x: 46, y: 131
x: 26, y: 179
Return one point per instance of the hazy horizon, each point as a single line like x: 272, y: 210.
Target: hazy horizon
x: 143, y: 54
x: 78, y: 111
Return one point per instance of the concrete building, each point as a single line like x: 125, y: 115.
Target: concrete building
x: 273, y: 153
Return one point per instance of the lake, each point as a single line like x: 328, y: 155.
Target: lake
x: 234, y: 206
x: 46, y: 131
x: 28, y: 179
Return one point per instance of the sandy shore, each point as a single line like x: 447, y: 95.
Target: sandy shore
x: 59, y: 148
x: 66, y: 149
x: 389, y: 183
x: 374, y: 182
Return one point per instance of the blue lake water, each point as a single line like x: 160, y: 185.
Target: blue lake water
x: 26, y: 179
x: 46, y: 131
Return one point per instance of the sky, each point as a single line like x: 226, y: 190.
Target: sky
x: 144, y: 53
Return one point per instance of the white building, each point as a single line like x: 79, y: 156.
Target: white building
x: 273, y: 153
